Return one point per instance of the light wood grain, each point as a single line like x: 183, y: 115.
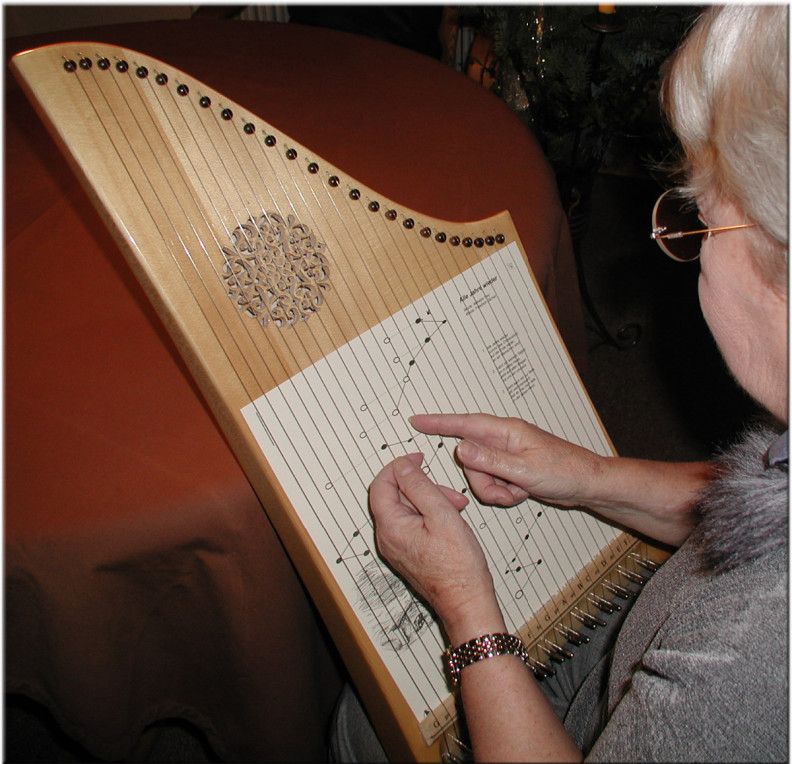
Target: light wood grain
x: 173, y: 180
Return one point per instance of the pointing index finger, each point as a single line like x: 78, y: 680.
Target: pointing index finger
x: 482, y: 427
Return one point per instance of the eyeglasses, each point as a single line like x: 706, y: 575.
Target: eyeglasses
x: 676, y: 226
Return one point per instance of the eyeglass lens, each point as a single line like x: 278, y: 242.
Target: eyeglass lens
x: 675, y: 213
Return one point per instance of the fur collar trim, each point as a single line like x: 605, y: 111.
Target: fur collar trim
x: 743, y: 514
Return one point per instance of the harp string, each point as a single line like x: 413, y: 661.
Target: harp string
x: 441, y: 258
x: 240, y: 318
x: 332, y: 199
x: 451, y: 375
x: 581, y: 439
x: 143, y: 197
x: 398, y: 248
x: 279, y: 155
x: 234, y: 154
x: 593, y: 438
x: 431, y: 255
x: 297, y: 189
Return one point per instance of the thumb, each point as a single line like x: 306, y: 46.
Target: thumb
x: 492, y: 461
x: 428, y: 498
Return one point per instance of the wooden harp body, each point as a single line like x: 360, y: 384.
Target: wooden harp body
x: 316, y: 316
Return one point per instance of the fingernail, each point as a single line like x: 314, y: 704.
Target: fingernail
x: 468, y: 451
x: 405, y: 466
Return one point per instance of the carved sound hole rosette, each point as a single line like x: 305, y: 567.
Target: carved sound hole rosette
x: 275, y: 270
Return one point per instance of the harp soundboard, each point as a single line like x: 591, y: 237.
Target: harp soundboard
x: 317, y: 315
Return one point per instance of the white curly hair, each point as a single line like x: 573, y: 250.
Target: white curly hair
x: 725, y: 94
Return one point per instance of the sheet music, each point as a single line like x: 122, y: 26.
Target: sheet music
x: 480, y: 342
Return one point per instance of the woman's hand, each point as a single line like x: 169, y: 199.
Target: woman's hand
x: 419, y: 531
x: 508, y: 460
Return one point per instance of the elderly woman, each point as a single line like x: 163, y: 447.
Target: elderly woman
x: 699, y: 667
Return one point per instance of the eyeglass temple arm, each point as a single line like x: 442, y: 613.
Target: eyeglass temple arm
x: 657, y: 233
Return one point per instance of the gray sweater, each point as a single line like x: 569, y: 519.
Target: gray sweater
x: 700, y: 668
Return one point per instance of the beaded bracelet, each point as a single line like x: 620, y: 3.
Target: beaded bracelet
x: 480, y: 648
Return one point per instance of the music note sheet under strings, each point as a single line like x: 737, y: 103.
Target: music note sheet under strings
x: 328, y: 430
x: 316, y: 316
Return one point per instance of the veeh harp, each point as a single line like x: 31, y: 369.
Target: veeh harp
x: 316, y: 316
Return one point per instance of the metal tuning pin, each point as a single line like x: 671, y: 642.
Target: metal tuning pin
x: 553, y: 655
x: 575, y: 637
x: 604, y: 605
x: 645, y: 562
x: 619, y: 591
x: 587, y: 619
x: 561, y: 654
x: 449, y: 757
x: 456, y: 751
x: 632, y: 576
x: 541, y: 670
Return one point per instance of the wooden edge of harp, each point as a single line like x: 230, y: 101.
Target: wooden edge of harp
x: 40, y: 72
x: 406, y: 739
x: 27, y: 62
x: 384, y: 702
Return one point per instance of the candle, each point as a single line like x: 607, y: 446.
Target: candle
x: 608, y: 9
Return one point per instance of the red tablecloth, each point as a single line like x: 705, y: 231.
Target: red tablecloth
x: 143, y: 580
